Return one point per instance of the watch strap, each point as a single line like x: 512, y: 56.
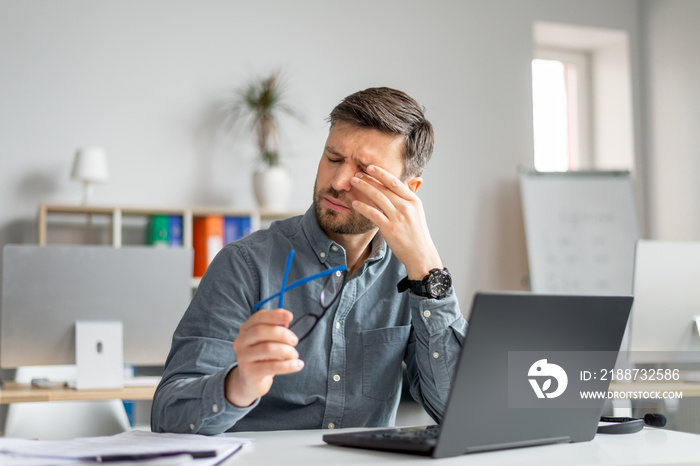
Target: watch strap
x: 404, y: 284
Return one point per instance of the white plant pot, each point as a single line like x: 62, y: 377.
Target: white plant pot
x: 273, y: 188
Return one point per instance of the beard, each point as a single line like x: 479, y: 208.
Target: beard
x: 332, y: 222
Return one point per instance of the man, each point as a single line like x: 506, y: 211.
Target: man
x: 346, y: 370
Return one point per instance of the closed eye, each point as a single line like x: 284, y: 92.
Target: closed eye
x: 333, y: 156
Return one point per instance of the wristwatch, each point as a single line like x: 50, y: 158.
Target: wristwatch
x: 435, y: 285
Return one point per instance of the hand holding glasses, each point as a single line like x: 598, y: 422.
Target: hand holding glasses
x: 303, y: 326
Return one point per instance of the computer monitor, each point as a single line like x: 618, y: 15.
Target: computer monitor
x: 46, y: 289
x: 666, y: 310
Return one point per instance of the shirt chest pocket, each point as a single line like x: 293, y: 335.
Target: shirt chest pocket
x: 382, y: 353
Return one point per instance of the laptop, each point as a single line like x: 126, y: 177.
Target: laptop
x: 533, y: 370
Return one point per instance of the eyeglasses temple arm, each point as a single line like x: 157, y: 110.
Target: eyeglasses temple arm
x: 290, y: 257
x: 340, y: 268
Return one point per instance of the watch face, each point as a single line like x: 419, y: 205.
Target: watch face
x: 439, y: 283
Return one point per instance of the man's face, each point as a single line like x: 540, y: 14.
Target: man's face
x: 350, y: 150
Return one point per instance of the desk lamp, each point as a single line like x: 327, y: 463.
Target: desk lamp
x: 90, y: 166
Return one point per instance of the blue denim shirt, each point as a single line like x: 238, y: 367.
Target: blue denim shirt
x: 352, y: 373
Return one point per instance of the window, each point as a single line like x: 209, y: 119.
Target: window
x: 560, y: 110
x: 582, y: 98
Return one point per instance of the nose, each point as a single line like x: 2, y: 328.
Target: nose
x: 341, y: 180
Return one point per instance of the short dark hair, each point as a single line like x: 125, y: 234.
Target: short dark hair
x: 395, y: 112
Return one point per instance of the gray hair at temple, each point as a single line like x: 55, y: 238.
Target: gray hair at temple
x: 394, y: 112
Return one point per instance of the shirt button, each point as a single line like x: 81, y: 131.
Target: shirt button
x: 334, y: 248
x: 322, y: 254
x: 336, y: 378
x: 436, y: 355
x: 331, y: 425
x: 426, y: 314
x: 215, y: 408
x: 192, y: 427
x: 337, y: 325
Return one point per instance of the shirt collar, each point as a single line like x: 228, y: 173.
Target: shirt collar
x: 322, y: 245
x: 378, y: 246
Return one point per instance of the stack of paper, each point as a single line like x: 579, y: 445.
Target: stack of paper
x: 134, y: 447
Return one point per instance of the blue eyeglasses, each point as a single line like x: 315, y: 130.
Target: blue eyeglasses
x: 330, y: 292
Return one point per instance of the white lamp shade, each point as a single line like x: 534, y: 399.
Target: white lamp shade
x: 90, y: 165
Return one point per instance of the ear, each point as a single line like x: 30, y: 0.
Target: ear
x: 414, y: 183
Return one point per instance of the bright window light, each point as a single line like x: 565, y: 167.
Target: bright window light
x: 551, y: 115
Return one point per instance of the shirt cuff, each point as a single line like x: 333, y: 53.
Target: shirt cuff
x: 221, y: 411
x: 435, y: 314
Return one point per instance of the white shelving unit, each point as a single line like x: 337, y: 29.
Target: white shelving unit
x: 117, y: 215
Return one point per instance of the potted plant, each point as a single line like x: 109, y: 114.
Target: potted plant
x: 259, y: 105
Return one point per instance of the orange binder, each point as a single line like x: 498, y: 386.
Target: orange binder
x: 207, y: 240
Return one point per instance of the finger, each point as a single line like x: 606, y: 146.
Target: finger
x: 254, y: 334
x: 391, y: 182
x: 372, y: 213
x: 370, y: 186
x: 267, y: 368
x: 271, y: 317
x: 373, y: 193
x: 384, y: 205
x: 267, y: 351
x: 376, y: 189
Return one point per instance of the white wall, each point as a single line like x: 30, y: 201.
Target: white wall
x: 143, y: 79
x: 672, y: 94
x: 614, y: 145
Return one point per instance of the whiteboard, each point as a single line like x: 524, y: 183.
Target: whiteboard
x: 580, y: 230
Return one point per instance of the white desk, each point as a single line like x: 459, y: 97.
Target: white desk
x: 306, y: 448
